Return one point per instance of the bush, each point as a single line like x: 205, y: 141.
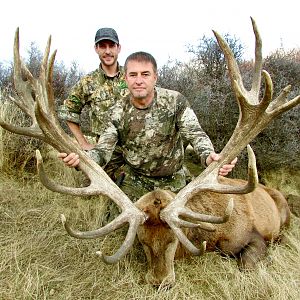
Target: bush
x: 205, y: 82
x: 6, y: 77
x: 17, y: 152
x: 281, y: 138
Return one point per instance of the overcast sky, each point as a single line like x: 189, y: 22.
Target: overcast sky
x: 161, y: 27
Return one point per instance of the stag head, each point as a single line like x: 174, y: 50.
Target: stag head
x: 155, y: 208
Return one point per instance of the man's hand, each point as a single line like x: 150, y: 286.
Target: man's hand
x: 225, y: 169
x: 71, y: 160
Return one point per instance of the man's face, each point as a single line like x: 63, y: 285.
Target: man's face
x: 141, y: 79
x: 108, y: 52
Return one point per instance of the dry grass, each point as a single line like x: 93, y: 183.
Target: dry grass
x: 16, y: 151
x: 286, y: 180
x: 40, y: 261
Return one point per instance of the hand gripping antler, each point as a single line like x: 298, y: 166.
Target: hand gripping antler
x: 255, y: 115
x: 35, y: 97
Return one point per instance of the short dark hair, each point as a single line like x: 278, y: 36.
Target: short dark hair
x: 141, y: 57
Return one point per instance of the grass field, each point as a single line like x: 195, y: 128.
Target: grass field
x: 40, y: 261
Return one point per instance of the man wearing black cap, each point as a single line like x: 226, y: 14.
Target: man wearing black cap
x: 100, y: 90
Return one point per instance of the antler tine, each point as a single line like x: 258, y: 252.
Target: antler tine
x: 46, y: 75
x: 258, y: 62
x: 23, y: 89
x: 45, y: 126
x: 255, y: 115
x: 134, y: 223
x: 233, y: 67
x: 101, y: 183
x: 119, y: 221
x: 24, y: 98
x: 234, y: 73
x: 51, y: 103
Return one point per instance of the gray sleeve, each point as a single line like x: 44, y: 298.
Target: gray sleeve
x: 105, y: 147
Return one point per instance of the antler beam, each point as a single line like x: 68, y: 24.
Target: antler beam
x: 255, y: 115
x: 35, y: 97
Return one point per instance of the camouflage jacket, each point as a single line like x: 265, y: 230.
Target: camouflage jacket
x: 151, y: 138
x: 98, y: 91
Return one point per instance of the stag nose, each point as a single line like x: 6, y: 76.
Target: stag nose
x: 161, y: 282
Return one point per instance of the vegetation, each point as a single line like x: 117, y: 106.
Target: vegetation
x: 204, y: 81
x: 40, y: 261
x: 17, y: 153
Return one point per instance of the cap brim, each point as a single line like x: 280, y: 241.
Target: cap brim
x: 106, y: 38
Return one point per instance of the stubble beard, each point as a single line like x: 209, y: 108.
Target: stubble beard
x: 108, y: 63
x: 139, y: 95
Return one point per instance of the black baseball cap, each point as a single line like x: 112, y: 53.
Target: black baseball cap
x: 106, y: 34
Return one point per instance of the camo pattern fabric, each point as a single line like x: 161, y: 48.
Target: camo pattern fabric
x: 98, y: 91
x: 150, y: 138
x: 135, y: 185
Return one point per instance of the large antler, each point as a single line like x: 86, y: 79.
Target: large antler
x: 255, y: 115
x: 35, y: 97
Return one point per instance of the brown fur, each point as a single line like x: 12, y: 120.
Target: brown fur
x: 256, y: 219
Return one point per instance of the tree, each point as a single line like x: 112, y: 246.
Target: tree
x: 210, y: 60
x: 204, y: 81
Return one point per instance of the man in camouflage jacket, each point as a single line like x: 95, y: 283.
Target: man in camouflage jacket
x: 151, y: 141
x: 149, y: 125
x: 99, y: 89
